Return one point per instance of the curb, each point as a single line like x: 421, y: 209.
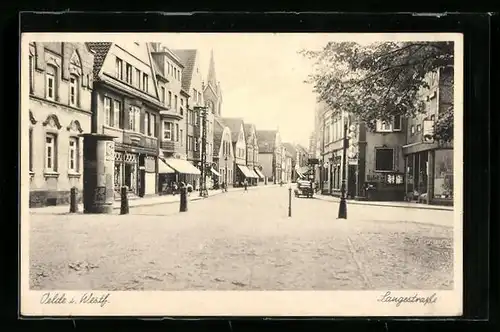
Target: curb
x: 424, y: 207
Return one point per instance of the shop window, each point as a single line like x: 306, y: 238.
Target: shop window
x: 73, y: 154
x: 50, y: 153
x: 384, y: 159
x: 443, y: 174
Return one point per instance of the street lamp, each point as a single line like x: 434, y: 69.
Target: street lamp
x: 343, y: 204
x: 202, y: 110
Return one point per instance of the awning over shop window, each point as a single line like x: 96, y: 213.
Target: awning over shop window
x: 215, y: 172
x: 246, y: 172
x: 164, y: 168
x: 254, y: 175
x: 182, y: 166
x: 259, y: 173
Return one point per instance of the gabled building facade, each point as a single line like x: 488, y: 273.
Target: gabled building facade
x: 291, y: 156
x: 60, y: 88
x: 126, y: 105
x: 269, y: 142
x: 252, y: 154
x: 224, y: 154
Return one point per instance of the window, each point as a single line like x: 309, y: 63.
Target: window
x: 146, y: 124
x: 419, y: 128
x: 163, y: 95
x: 181, y: 135
x: 177, y: 132
x: 397, y: 123
x: 117, y: 114
x: 119, y: 68
x: 31, y: 69
x: 145, y: 82
x: 30, y: 142
x: 384, y: 126
x: 107, y: 111
x: 190, y: 143
x: 73, y: 92
x: 152, y: 125
x: 384, y: 159
x: 167, y: 131
x: 50, y: 76
x: 50, y: 153
x: 134, y: 118
x: 73, y: 154
x: 129, y: 74
x: 138, y: 78
x: 175, y: 103
x: 170, y: 98
x: 413, y: 129
x: 195, y: 144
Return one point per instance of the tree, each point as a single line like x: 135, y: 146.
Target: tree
x: 381, y: 80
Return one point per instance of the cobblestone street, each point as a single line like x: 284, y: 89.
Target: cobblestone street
x: 244, y: 241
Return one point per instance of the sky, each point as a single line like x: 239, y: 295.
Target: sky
x: 261, y: 76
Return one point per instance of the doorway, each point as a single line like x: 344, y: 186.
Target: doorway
x: 351, y: 181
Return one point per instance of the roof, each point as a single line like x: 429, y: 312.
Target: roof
x: 266, y: 140
x: 101, y: 50
x: 248, y: 128
x: 188, y: 58
x: 234, y: 125
x: 218, y: 131
x: 290, y: 149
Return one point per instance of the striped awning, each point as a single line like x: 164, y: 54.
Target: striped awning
x: 246, y: 172
x: 163, y: 168
x: 182, y: 166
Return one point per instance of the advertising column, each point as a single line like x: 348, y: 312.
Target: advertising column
x: 98, y: 173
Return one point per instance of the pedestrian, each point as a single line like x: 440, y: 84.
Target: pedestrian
x: 245, y: 183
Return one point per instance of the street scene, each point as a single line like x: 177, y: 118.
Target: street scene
x: 192, y: 163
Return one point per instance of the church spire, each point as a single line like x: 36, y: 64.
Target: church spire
x: 211, y: 79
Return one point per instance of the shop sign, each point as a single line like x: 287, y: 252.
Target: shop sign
x: 394, y: 178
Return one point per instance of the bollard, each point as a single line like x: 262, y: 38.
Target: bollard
x: 124, y: 208
x: 290, y: 201
x: 183, y: 202
x: 73, y: 204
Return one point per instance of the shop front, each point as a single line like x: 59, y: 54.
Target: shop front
x: 261, y: 175
x: 184, y: 172
x: 136, y: 171
x: 244, y: 173
x: 429, y: 176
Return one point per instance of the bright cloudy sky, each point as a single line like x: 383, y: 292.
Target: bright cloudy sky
x: 261, y: 76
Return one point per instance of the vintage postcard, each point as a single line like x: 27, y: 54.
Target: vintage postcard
x: 247, y: 174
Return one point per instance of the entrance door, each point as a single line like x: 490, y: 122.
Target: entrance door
x: 351, y: 181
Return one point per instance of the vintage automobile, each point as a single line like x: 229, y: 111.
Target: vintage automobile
x: 304, y: 188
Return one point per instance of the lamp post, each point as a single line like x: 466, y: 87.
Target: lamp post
x: 343, y: 204
x: 202, y: 110
x: 225, y: 174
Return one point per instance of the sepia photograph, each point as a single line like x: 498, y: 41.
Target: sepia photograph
x: 216, y: 174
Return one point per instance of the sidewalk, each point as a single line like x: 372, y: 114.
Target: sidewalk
x: 407, y: 205
x: 146, y: 201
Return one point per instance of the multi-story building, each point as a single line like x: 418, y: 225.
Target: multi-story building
x: 126, y: 105
x: 252, y: 153
x: 238, y: 139
x: 291, y: 154
x: 192, y: 88
x: 374, y: 157
x: 269, y: 142
x: 173, y: 146
x: 60, y: 87
x: 224, y: 154
x: 429, y: 163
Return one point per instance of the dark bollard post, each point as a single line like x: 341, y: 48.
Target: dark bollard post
x: 124, y: 208
x: 73, y: 204
x: 290, y: 201
x: 183, y: 202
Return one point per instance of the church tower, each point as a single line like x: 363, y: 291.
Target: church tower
x: 211, y: 91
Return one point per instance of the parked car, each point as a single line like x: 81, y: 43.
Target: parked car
x: 304, y: 188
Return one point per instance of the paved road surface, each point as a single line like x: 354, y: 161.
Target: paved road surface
x: 244, y: 241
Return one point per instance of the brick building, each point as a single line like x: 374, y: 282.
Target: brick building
x: 60, y: 85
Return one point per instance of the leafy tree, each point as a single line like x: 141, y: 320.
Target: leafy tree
x: 380, y: 80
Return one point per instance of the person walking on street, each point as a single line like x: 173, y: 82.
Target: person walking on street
x: 245, y: 183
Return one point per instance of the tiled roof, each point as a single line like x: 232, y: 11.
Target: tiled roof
x: 218, y: 131
x: 101, y: 50
x: 234, y: 125
x: 266, y: 140
x: 188, y: 58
